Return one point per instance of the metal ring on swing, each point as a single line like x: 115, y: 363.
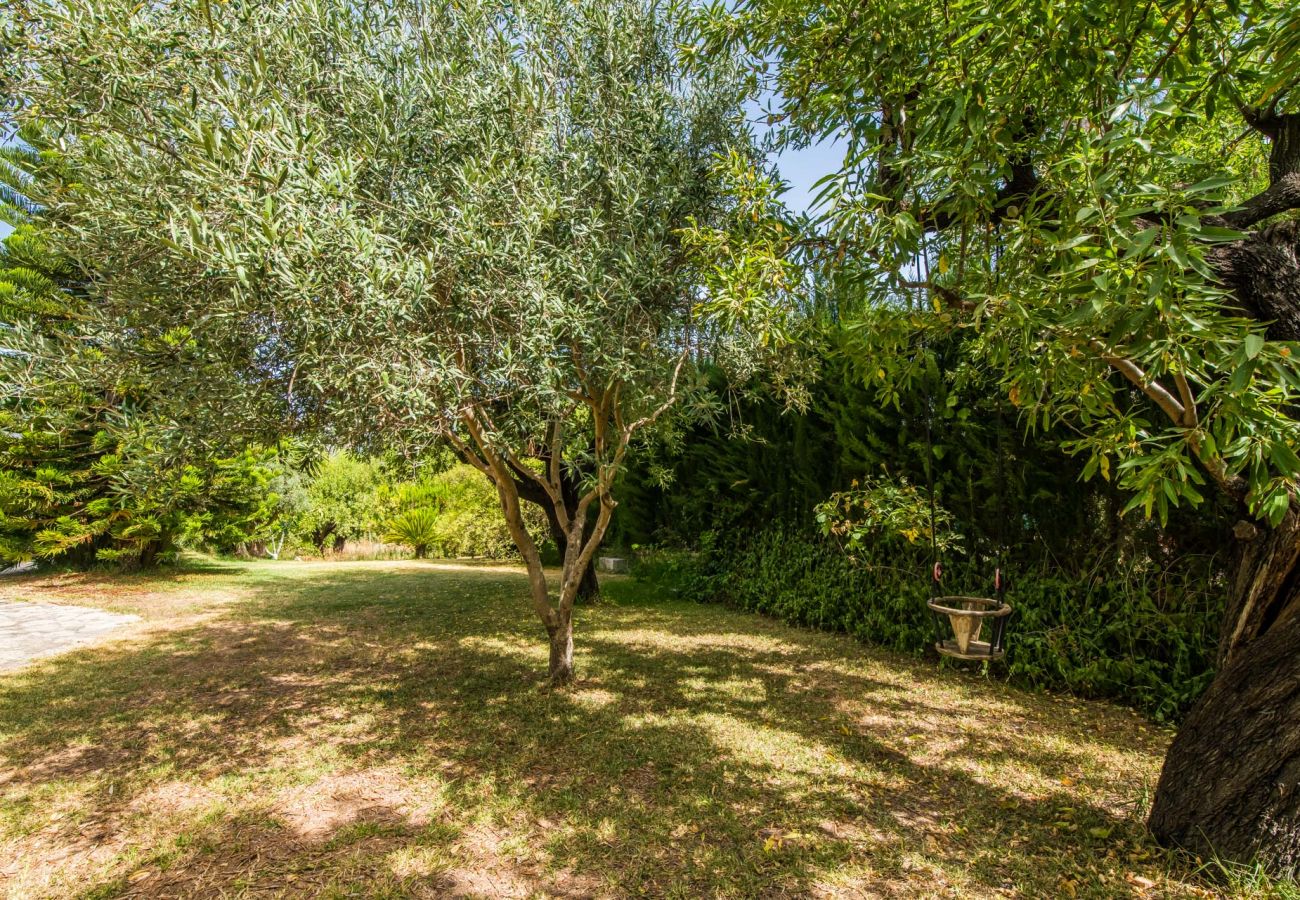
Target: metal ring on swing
x: 966, y: 617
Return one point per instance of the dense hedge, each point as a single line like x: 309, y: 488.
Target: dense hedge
x: 1107, y: 605
x: 1140, y: 635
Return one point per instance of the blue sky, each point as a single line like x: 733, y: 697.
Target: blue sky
x: 803, y: 168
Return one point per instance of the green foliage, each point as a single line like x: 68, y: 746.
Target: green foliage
x: 343, y: 497
x: 239, y: 503
x: 84, y: 474
x: 747, y: 509
x: 470, y: 522
x: 1052, y: 176
x: 339, y: 500
x: 375, y: 220
x: 115, y: 499
x: 417, y: 528
x: 883, y: 511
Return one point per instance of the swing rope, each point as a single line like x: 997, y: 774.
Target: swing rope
x: 965, y: 615
x: 936, y: 567
x: 999, y: 537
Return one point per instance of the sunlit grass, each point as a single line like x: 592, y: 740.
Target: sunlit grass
x: 381, y: 730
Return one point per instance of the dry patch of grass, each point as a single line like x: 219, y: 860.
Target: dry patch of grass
x: 378, y: 730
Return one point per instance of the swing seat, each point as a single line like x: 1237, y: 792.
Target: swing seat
x: 964, y: 617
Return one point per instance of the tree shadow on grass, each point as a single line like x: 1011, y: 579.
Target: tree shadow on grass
x: 383, y: 733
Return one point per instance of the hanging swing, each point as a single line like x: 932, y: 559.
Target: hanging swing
x: 959, y: 620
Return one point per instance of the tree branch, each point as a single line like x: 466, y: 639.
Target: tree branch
x: 1281, y: 196
x: 509, y: 497
x: 1153, y: 389
x: 1191, y: 420
x: 468, y: 453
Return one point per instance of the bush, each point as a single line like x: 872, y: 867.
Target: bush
x: 416, y: 528
x: 339, y: 501
x: 470, y: 522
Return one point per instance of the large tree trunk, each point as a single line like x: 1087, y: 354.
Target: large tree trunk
x: 1230, y: 786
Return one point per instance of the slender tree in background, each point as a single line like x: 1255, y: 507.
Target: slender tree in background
x: 1105, y: 193
x: 397, y: 223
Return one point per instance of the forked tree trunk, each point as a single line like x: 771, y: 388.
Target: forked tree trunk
x: 514, y: 484
x: 1230, y: 786
x: 529, y: 490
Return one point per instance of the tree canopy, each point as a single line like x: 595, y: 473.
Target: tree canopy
x: 398, y: 223
x: 1071, y: 180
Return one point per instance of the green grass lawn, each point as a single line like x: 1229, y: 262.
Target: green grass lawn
x: 379, y: 730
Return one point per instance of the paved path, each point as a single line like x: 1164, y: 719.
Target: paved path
x: 29, y: 630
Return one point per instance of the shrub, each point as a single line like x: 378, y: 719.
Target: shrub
x: 470, y: 522
x: 339, y: 502
x: 416, y: 528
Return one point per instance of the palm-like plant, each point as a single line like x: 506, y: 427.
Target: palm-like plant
x: 417, y: 528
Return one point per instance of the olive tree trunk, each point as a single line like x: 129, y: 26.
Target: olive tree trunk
x: 568, y: 512
x: 561, y: 665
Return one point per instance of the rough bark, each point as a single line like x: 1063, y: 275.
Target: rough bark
x: 1231, y: 781
x: 1230, y: 785
x: 561, y: 666
x: 1264, y: 272
x: 1266, y: 584
x: 507, y: 475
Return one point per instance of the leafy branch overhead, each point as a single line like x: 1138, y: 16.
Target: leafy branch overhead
x: 1091, y: 187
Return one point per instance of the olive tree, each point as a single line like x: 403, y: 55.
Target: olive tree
x: 397, y: 223
x: 1104, y: 194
